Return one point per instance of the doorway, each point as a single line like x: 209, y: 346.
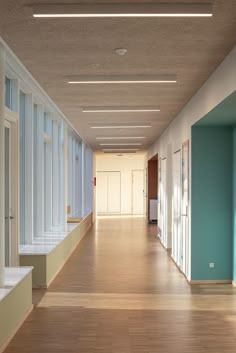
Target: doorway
x: 152, y: 186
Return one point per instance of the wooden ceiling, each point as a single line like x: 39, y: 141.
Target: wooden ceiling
x: 55, y: 49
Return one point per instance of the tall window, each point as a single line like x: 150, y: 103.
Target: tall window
x: 35, y: 176
x: 8, y: 93
x: 22, y: 166
x: 47, y: 172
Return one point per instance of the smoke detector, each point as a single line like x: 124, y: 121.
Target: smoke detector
x: 120, y: 51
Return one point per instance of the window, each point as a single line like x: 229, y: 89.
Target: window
x: 8, y: 93
x: 22, y: 166
x: 47, y: 172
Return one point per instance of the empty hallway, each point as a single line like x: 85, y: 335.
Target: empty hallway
x: 120, y: 292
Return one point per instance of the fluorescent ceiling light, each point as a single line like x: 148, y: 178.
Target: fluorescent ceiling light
x: 120, y: 126
x: 121, y: 109
x: 123, y: 79
x: 120, y: 144
x: 121, y: 138
x: 122, y: 10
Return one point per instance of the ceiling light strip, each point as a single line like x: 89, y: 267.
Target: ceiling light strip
x: 120, y: 144
x: 123, y: 79
x: 120, y: 149
x: 121, y: 109
x: 121, y: 10
x: 119, y: 126
x: 120, y: 138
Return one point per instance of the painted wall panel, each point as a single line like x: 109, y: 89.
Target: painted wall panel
x: 211, y: 227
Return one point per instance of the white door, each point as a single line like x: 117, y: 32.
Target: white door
x: 176, y: 214
x: 138, y: 192
x: 108, y: 190
x: 101, y: 189
x: 185, y: 208
x: 113, y: 192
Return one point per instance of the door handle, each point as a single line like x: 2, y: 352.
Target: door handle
x: 11, y: 217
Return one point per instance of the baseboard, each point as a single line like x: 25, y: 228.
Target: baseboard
x: 211, y: 281
x: 14, y: 331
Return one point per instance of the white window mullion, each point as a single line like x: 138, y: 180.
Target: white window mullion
x: 28, y: 189
x: 55, y: 173
x: 65, y: 172
x: 48, y: 175
x: 40, y: 171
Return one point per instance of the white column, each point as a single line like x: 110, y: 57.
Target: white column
x: 40, y: 171
x: 62, y: 185
x: 2, y: 169
x: 29, y: 148
x: 55, y: 173
x: 48, y: 177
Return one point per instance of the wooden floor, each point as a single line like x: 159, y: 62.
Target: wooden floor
x: 120, y: 293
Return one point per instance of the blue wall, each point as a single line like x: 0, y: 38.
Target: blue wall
x: 212, y: 202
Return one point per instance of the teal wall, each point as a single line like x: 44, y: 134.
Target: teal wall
x: 234, y: 202
x: 212, y: 203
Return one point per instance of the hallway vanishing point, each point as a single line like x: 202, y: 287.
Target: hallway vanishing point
x: 120, y: 293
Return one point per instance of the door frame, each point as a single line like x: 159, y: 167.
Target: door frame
x: 11, y: 121
x: 132, y: 194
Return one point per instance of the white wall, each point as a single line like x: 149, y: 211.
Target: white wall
x: 219, y: 85
x: 125, y: 165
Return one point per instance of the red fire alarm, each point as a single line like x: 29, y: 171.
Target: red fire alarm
x: 94, y: 181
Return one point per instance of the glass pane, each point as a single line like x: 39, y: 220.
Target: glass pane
x: 35, y: 170
x: 8, y: 92
x: 7, y: 196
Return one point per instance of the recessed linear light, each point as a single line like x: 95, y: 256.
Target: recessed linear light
x: 121, y: 138
x: 120, y: 144
x: 120, y: 126
x: 120, y: 149
x: 121, y: 109
x: 122, y: 79
x: 122, y: 10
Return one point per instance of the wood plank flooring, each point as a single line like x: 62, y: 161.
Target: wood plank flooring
x: 120, y: 293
